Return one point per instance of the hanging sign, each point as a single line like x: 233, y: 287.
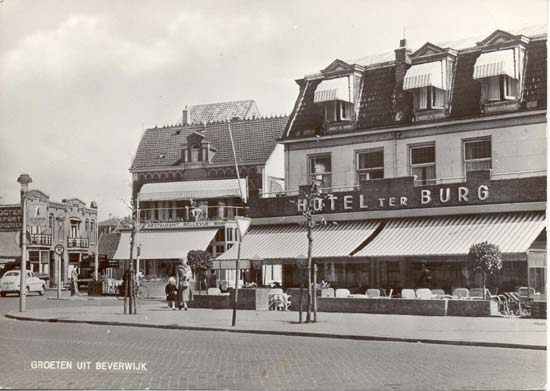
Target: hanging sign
x: 38, y: 214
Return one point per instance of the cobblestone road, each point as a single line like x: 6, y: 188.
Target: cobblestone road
x: 217, y: 360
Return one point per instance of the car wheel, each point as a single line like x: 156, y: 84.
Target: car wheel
x: 26, y: 291
x: 41, y: 291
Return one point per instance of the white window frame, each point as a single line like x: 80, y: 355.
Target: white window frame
x: 336, y: 109
x: 425, y: 98
x: 423, y: 181
x: 504, y: 84
x: 312, y: 176
x: 362, y: 171
x: 471, y: 141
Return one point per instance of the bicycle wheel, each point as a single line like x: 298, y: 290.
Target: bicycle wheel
x: 142, y: 292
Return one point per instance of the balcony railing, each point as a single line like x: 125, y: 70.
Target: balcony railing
x: 77, y: 242
x: 40, y: 240
x: 417, y: 182
x: 191, y: 215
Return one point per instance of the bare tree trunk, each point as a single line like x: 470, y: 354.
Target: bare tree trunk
x: 309, y: 290
x: 484, y: 295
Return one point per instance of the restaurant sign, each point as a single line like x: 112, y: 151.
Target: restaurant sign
x: 424, y: 197
x: 180, y: 224
x: 10, y: 218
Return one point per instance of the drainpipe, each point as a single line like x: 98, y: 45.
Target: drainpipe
x: 396, y: 135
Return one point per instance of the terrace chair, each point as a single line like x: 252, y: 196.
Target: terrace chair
x: 440, y: 294
x: 327, y: 292
x: 278, y: 300
x: 214, y: 291
x: 408, y: 294
x: 374, y: 293
x: 342, y: 292
x: 477, y: 294
x: 460, y: 293
x: 424, y: 293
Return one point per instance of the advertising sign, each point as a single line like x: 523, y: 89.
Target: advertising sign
x: 38, y: 214
x: 10, y: 218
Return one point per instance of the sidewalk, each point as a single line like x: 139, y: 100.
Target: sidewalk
x: 494, y: 332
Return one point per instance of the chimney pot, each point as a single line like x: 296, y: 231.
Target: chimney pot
x: 403, y: 43
x: 186, y: 116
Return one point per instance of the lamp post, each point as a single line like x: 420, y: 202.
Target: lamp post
x: 24, y: 180
x: 59, y: 251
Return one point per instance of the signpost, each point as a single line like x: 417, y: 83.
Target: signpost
x: 59, y: 250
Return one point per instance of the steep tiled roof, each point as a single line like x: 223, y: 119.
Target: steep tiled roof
x: 306, y: 114
x: 467, y: 90
x: 376, y: 98
x: 254, y: 141
x: 381, y: 102
x: 535, y: 74
x: 108, y: 244
x: 225, y: 111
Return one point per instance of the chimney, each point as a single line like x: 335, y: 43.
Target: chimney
x: 402, y: 99
x: 186, y: 117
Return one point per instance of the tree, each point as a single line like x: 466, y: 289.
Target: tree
x: 199, y: 261
x: 486, y: 258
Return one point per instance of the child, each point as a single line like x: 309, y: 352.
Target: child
x: 171, y: 293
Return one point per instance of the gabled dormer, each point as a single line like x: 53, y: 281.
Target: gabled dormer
x: 197, y: 150
x: 500, y: 71
x: 430, y: 80
x: 338, y: 93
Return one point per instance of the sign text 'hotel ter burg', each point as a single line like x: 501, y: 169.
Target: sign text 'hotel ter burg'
x: 426, y: 197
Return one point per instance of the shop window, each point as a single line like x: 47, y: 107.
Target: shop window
x: 428, y: 98
x: 477, y: 155
x: 370, y: 165
x: 320, y: 170
x: 422, y: 164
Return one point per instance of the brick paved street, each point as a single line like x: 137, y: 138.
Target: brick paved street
x: 218, y: 360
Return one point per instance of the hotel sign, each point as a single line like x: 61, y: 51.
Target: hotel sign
x: 425, y: 197
x: 10, y: 218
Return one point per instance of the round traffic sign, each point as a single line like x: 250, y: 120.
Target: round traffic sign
x: 59, y: 249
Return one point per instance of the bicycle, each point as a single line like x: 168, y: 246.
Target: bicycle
x: 141, y: 293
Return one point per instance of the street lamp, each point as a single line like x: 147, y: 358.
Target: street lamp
x: 24, y: 180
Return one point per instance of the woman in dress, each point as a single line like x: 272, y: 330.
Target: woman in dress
x: 183, y: 276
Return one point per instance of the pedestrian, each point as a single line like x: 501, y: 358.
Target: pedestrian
x: 171, y: 291
x: 183, y: 275
x: 74, y: 281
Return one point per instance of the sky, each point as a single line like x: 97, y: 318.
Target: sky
x: 81, y: 80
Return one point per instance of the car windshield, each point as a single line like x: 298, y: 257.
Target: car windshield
x: 11, y: 274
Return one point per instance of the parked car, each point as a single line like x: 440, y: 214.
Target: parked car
x: 10, y: 282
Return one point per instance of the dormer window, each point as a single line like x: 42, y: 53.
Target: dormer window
x: 336, y: 97
x: 428, y: 83
x: 195, y: 153
x: 499, y: 74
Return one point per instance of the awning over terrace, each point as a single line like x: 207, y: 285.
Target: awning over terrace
x: 513, y: 233
x: 185, y: 190
x: 425, y: 75
x: 278, y: 242
x: 165, y: 244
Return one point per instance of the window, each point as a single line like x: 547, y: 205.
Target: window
x: 87, y: 229
x: 320, y: 170
x: 422, y: 163
x: 370, y: 165
x: 195, y: 153
x: 337, y: 110
x: 499, y: 88
x: 75, y: 229
x: 92, y: 231
x: 477, y: 155
x: 51, y: 225
x: 229, y: 234
x: 427, y: 98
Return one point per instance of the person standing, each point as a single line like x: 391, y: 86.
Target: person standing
x: 74, y: 281
x: 183, y: 276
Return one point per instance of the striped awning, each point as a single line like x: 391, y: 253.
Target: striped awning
x: 334, y: 89
x: 513, y: 233
x: 425, y: 75
x: 186, y: 190
x: 290, y: 241
x: 496, y: 63
x: 165, y: 244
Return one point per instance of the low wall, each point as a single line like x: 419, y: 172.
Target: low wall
x: 538, y: 310
x: 478, y: 308
x: 472, y: 308
x: 218, y: 302
x: 251, y: 299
